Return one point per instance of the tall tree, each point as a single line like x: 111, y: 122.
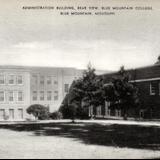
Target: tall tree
x: 122, y: 93
x: 86, y: 92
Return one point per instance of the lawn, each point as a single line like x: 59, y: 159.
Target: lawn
x: 80, y: 140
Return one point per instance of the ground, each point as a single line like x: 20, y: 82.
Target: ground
x: 84, y: 139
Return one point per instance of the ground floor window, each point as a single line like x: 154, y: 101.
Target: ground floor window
x: 91, y: 113
x: 2, y: 114
x: 99, y: 111
x: 141, y: 113
x: 118, y: 113
x: 20, y: 113
x: 11, y: 113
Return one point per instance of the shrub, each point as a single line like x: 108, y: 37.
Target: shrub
x: 56, y: 115
x: 39, y: 111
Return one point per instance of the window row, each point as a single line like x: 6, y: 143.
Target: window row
x: 42, y: 96
x: 11, y: 114
x: 44, y: 80
x: 11, y: 96
x: 11, y: 79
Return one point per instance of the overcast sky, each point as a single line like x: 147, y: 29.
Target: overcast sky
x: 44, y: 38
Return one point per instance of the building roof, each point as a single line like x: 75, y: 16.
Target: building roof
x: 40, y: 69
x: 148, y: 72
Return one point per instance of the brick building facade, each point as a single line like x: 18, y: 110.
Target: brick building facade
x: 147, y: 80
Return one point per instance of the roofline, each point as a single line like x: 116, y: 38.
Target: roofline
x: 132, y: 69
x: 33, y: 67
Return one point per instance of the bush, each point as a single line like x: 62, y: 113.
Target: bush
x: 56, y: 115
x: 39, y: 111
x: 73, y: 111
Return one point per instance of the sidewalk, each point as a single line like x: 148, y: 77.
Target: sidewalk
x: 121, y: 122
x: 101, y: 122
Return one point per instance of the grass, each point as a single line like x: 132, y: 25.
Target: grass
x: 123, y: 136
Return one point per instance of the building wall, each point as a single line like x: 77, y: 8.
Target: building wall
x: 56, y: 85
x: 147, y: 80
x: 150, y: 98
x: 13, y: 108
x: 61, y: 80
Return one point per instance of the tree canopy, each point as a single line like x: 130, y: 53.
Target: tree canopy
x: 39, y: 111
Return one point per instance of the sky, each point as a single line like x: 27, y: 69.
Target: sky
x: 45, y: 38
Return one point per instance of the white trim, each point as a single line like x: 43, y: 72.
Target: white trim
x: 145, y: 80
x: 151, y: 90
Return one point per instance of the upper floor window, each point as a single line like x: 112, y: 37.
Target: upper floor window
x: 56, y: 82
x: 49, y: 80
x: 20, y: 96
x: 66, y: 88
x: 11, y: 79
x: 42, y: 95
x: 2, y: 79
x: 56, y: 95
x: 49, y: 95
x: 35, y: 96
x: 35, y: 79
x: 42, y: 80
x: 11, y: 96
x: 2, y: 96
x: 152, y: 88
x: 19, y: 80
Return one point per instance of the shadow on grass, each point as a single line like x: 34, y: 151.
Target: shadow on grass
x: 130, y: 136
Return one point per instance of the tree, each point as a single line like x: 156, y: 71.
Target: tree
x: 88, y: 90
x: 56, y: 115
x: 122, y: 93
x: 84, y: 92
x: 40, y: 112
x: 158, y: 60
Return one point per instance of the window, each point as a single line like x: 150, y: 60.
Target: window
x: 11, y: 96
x: 35, y: 79
x: 66, y: 88
x: 2, y: 79
x: 11, y: 79
x: 42, y: 80
x: 2, y: 114
x: 11, y: 113
x: 20, y: 113
x: 49, y: 95
x: 20, y: 96
x: 49, y: 80
x: 107, y: 110
x: 56, y: 95
x: 56, y: 82
x: 34, y: 95
x: 19, y: 80
x: 153, y: 89
x: 42, y: 95
x: 118, y: 113
x: 141, y: 113
x: 1, y: 96
x: 99, y: 112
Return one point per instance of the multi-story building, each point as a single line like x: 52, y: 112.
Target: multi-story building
x: 21, y: 87
x: 147, y: 80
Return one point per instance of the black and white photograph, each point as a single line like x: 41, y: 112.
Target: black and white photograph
x: 79, y: 79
